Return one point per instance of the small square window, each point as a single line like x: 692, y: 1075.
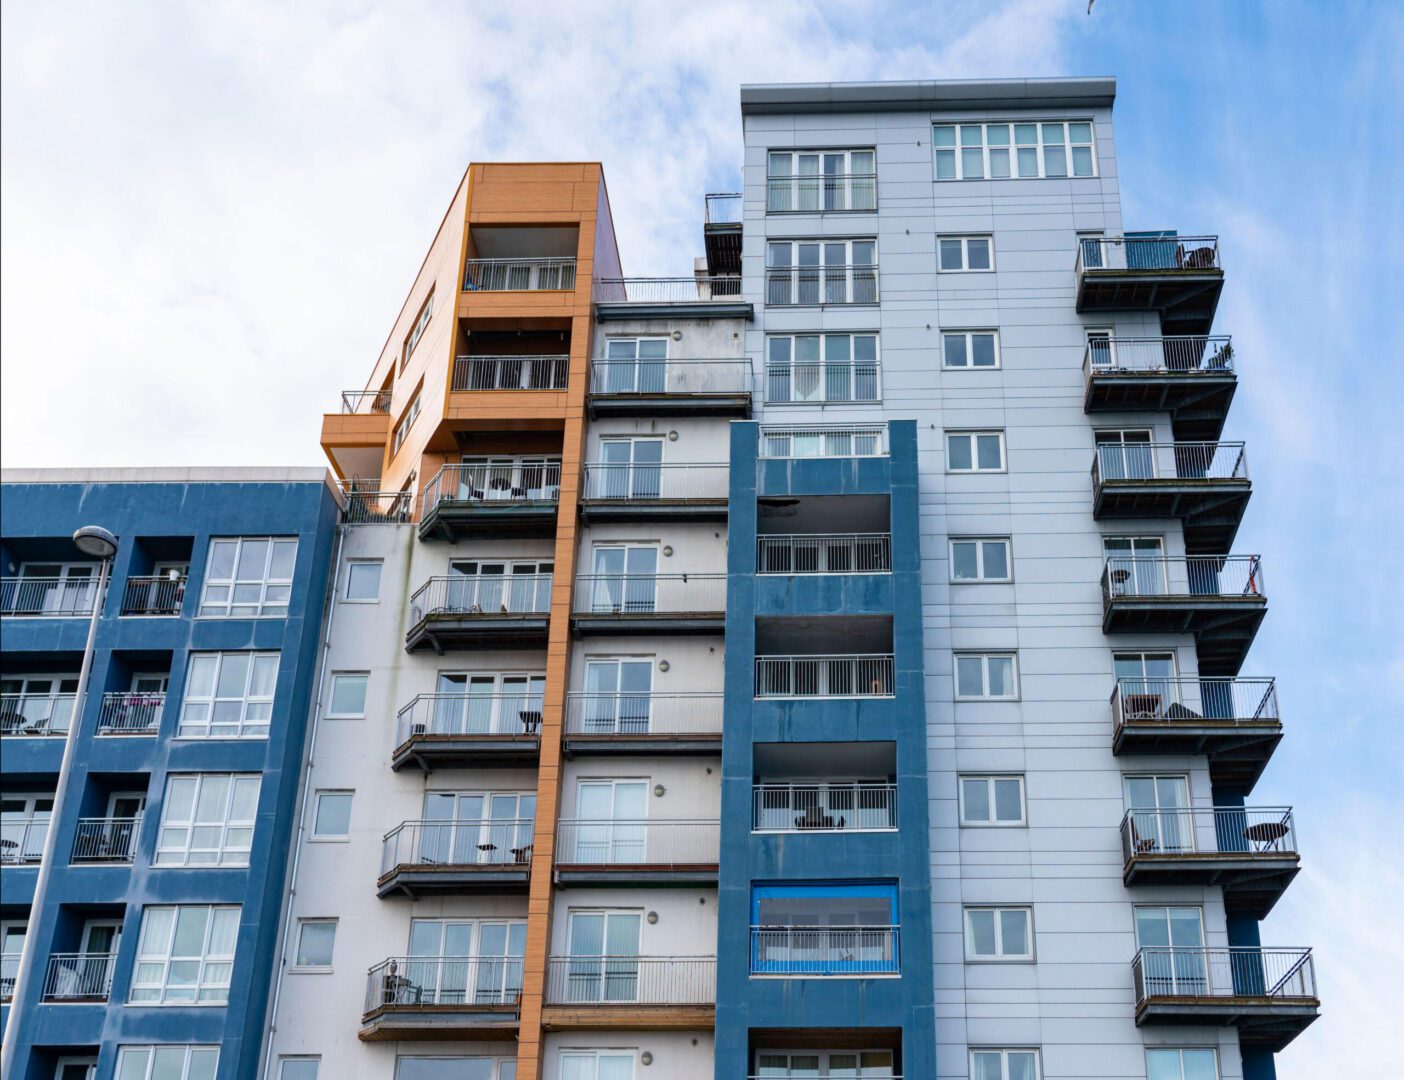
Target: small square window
x: 999, y: 933
x: 1198, y: 1063
x: 348, y: 695
x: 315, y: 939
x: 980, y: 560
x: 986, y: 676
x: 1004, y: 1065
x: 970, y: 348
x: 975, y: 451
x: 298, y: 1068
x: 965, y: 252
x: 363, y: 581
x: 992, y: 800
x: 331, y: 819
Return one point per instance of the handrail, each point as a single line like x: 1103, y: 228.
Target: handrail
x: 667, y: 290
x: 514, y: 480
x: 111, y: 839
x: 47, y: 597
x: 625, y: 713
x: 818, y: 676
x: 153, y: 595
x: 844, y: 951
x: 824, y: 553
x: 1223, y: 972
x: 1190, y: 577
x: 365, y: 401
x: 631, y: 980
x: 649, y: 594
x: 79, y: 976
x: 413, y: 982
x: 823, y: 440
x: 723, y: 208
x: 814, y: 382
x: 22, y: 840
x: 131, y: 712
x: 1170, y: 252
x: 1176, y: 354
x: 1117, y: 463
x: 821, y: 286
x: 637, y: 842
x: 33, y: 715
x: 823, y: 806
x: 610, y: 376
x: 519, y: 275
x: 1219, y: 699
x: 377, y: 507
x: 458, y: 843
x: 820, y: 193
x: 470, y: 714
x: 535, y: 372
x: 482, y: 594
x: 1238, y: 830
x: 637, y: 482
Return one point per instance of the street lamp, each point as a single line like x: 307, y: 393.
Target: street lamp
x: 99, y: 543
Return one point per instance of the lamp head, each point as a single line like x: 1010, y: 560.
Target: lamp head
x: 96, y: 541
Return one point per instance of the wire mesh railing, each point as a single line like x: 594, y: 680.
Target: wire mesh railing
x: 1233, y: 972
x: 626, y: 713
x: 416, y: 982
x: 815, y: 676
x: 486, y: 842
x: 631, y: 980
x: 543, y: 372
x: 470, y: 714
x: 823, y: 806
x: 131, y: 712
x: 518, y: 275
x: 816, y: 553
x: 35, y: 715
x: 637, y: 842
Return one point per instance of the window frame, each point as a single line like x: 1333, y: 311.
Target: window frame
x: 149, y: 1049
x: 999, y: 956
x: 1004, y: 1052
x: 354, y: 564
x: 993, y: 822
x: 192, y: 825
x: 313, y: 969
x: 417, y: 329
x: 204, y: 961
x: 969, y: 335
x: 405, y: 423
x: 266, y: 609
x: 985, y: 658
x: 980, y: 542
x: 965, y: 267
x: 818, y: 180
x: 243, y: 724
x: 1179, y: 1052
x: 794, y: 272
x: 973, y: 435
x: 823, y: 364
x: 595, y: 1052
x: 285, y: 1059
x: 498, y: 1062
x: 959, y: 148
x: 315, y: 837
x: 332, y: 678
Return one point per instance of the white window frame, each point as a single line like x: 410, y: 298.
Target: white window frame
x: 825, y: 1056
x: 596, y: 1053
x: 1004, y: 1053
x: 313, y: 836
x: 1179, y: 1052
x: 999, y: 956
x: 268, y: 605
x: 980, y: 576
x: 245, y: 727
x: 206, y: 962
x: 973, y: 436
x: 416, y: 331
x: 353, y: 564
x: 227, y: 853
x: 985, y: 657
x: 364, y: 676
x: 407, y: 419
x: 497, y: 1067
x: 969, y: 336
x: 800, y: 184
x: 286, y: 1059
x: 989, y: 780
x: 794, y: 272
x: 792, y: 377
x: 971, y: 143
x: 150, y: 1051
x: 302, y: 925
x: 1100, y: 333
x: 965, y: 267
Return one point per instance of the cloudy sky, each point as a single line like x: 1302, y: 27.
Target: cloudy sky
x: 210, y: 214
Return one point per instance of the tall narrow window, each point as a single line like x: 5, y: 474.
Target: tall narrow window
x: 248, y: 577
x: 417, y: 328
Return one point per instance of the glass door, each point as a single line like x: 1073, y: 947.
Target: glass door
x: 501, y: 946
x: 11, y: 945
x: 619, y: 696
x: 1147, y: 684
x: 458, y: 841
x: 124, y: 810
x: 91, y: 974
x: 441, y: 953
x: 631, y: 468
x: 1174, y: 963
x: 636, y: 366
x: 1135, y: 566
x: 522, y: 703
x: 57, y: 588
x: 604, y: 950
x: 37, y: 704
x: 1124, y: 455
x: 625, y: 579
x: 1100, y: 349
x: 1160, y: 819
x: 24, y: 823
x: 611, y: 828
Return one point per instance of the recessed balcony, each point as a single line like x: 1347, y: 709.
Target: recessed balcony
x: 456, y: 858
x: 825, y: 676
x: 670, y: 387
x: 646, y: 851
x: 643, y: 723
x: 79, y: 978
x: 549, y: 371
x: 1250, y: 852
x: 695, y: 491
x: 650, y: 604
x: 1203, y: 484
x: 721, y: 233
x: 437, y: 998
x: 161, y: 595
x: 38, y: 597
x: 35, y: 715
x: 1177, y: 277
x: 22, y: 840
x: 845, y: 952
x: 656, y: 993
x: 467, y: 611
x: 524, y: 274
x: 823, y: 806
x: 1191, y: 378
x: 106, y: 840
x: 1268, y: 994
x: 506, y: 497
x: 131, y: 712
x: 468, y: 731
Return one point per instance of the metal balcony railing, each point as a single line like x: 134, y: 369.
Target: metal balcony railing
x: 814, y: 553
x: 1175, y: 355
x: 627, y: 482
x: 804, y: 383
x: 820, y: 286
x: 1211, y: 830
x: 519, y: 275
x: 640, y: 842
x: 160, y: 595
x: 22, y: 840
x: 35, y: 714
x: 1193, y: 701
x: 79, y: 976
x: 670, y: 376
x: 649, y: 594
x: 723, y: 208
x: 545, y: 372
x: 631, y: 980
x: 412, y: 982
x: 819, y: 194
x: 1192, y: 577
x: 667, y: 290
x: 858, y: 675
x: 131, y: 712
x: 106, y: 840
x: 644, y: 714
x: 1148, y: 253
x: 9, y: 972
x: 43, y: 597
x: 823, y: 441
x: 477, y: 842
x: 825, y: 950
x: 365, y: 401
x: 482, y: 594
x: 823, y: 806
x: 1114, y: 462
x: 377, y: 507
x: 1246, y: 971
x: 470, y: 714
x: 497, y: 482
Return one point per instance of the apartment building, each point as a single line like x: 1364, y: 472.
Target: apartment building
x: 149, y: 954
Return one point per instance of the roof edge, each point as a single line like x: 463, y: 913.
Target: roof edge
x: 928, y: 94
x: 170, y: 475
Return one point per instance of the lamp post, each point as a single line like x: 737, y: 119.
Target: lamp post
x: 97, y: 542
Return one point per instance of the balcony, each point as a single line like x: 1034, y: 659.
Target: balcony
x: 721, y: 233
x: 642, y: 852
x: 630, y: 992
x: 35, y: 715
x: 643, y: 723
x: 365, y: 402
x: 637, y: 492
x: 376, y: 507
x: 848, y: 952
x: 1268, y: 994
x: 1203, y: 484
x: 519, y: 275
x: 650, y: 604
x: 823, y: 806
x: 498, y: 498
x: 783, y: 441
x: 131, y: 712
x: 154, y: 595
x: 813, y: 676
x: 1234, y: 722
x: 816, y: 194
x: 106, y: 840
x: 79, y: 978
x: 819, y: 553
x: 1191, y: 378
x: 468, y: 730
x: 434, y: 998
x: 821, y: 286
x: 698, y: 296
x: 480, y: 611
x: 456, y: 858
x: 1250, y: 852
x: 1177, y: 277
x: 515, y: 373
x: 1218, y: 598
x: 354, y: 438
x: 670, y: 387
x: 48, y: 597
x: 22, y: 840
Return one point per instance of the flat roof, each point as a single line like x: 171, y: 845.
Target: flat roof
x: 169, y: 475
x: 927, y: 94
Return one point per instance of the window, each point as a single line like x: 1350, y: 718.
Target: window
x: 228, y: 695
x: 248, y: 577
x: 185, y: 955
x: 442, y: 977
x: 1135, y: 565
x: 298, y: 1068
x: 207, y: 819
x: 1177, y: 1064
x: 331, y: 816
x: 822, y: 367
x: 168, y: 1062
x: 1004, y: 1065
x: 820, y: 1064
x: 980, y: 560
x: 1101, y: 348
x: 986, y: 675
x: 966, y: 252
x: 970, y: 348
x: 814, y: 272
x: 815, y: 442
x: 596, y: 1065
x: 999, y: 933
x: 992, y: 800
x: 421, y: 324
x: 633, y: 365
x: 975, y: 451
x: 315, y: 939
x: 629, y: 468
x: 1039, y: 150
x: 816, y: 181
x: 363, y: 581
x: 458, y: 1068
x: 12, y: 934
x: 407, y: 420
x: 1159, y: 819
x: 1172, y: 959
x: 347, y: 700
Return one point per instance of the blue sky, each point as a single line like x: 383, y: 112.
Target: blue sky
x: 209, y: 215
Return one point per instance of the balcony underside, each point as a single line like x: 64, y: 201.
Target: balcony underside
x: 1266, y: 1023
x: 736, y: 405
x: 1198, y: 402
x: 617, y: 311
x: 429, y: 752
x: 602, y: 511
x: 1252, y: 881
x: 722, y: 242
x: 634, y: 876
x: 1224, y: 626
x: 608, y: 625
x: 1211, y: 510
x: 629, y: 1017
x: 1185, y: 299
x: 1238, y: 751
x: 651, y: 745
x: 453, y: 520
x: 419, y: 880
x: 478, y: 631
x: 441, y: 1023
